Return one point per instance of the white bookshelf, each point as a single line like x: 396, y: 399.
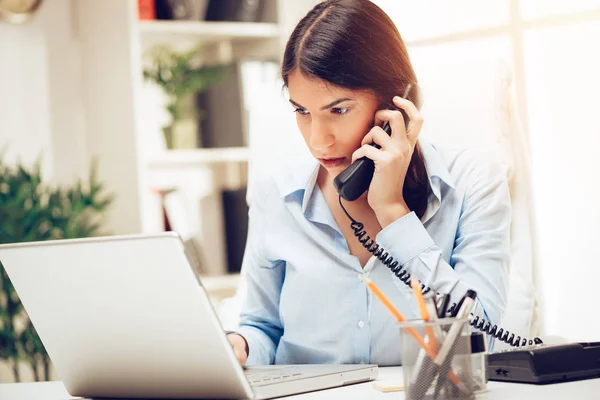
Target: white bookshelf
x: 120, y: 131
x: 200, y: 174
x: 222, y: 41
x: 170, y: 31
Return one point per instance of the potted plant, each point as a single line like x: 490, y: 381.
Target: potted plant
x: 181, y: 76
x: 31, y: 210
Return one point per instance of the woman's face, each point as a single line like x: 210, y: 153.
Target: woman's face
x: 333, y: 120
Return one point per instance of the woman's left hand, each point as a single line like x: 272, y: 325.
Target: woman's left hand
x: 392, y: 160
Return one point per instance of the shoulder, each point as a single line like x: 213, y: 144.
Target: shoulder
x: 473, y: 165
x: 268, y: 185
x: 262, y: 189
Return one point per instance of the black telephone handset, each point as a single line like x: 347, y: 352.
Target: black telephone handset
x: 350, y: 184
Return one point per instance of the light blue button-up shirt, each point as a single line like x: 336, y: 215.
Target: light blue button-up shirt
x: 305, y: 302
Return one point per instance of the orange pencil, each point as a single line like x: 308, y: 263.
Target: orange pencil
x: 416, y: 286
x: 400, y: 318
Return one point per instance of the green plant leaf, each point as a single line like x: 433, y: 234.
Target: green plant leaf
x: 181, y: 74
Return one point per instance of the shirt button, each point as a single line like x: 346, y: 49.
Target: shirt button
x: 361, y: 324
x: 360, y: 277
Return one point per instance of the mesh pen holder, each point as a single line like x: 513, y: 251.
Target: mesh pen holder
x: 443, y: 371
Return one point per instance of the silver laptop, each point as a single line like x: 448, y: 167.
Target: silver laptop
x: 126, y: 316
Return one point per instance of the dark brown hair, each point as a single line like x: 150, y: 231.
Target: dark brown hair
x: 355, y: 45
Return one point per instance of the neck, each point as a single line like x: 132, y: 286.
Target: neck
x: 325, y: 178
x: 325, y: 182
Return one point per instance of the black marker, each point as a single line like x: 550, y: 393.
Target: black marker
x: 443, y: 308
x: 458, y: 306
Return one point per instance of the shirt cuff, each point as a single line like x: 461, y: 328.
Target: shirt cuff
x: 409, y: 243
x: 260, y: 347
x: 406, y: 236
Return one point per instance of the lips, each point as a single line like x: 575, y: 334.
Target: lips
x: 331, y: 162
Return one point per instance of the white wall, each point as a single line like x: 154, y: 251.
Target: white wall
x: 25, y: 129
x: 40, y: 102
x: 67, y: 123
x: 111, y: 85
x: 67, y: 83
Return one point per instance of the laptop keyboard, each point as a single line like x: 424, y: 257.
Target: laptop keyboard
x: 258, y: 377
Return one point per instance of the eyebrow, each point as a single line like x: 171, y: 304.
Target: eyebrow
x: 325, y: 107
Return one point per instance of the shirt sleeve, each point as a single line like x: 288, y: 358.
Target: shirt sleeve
x: 260, y: 324
x: 481, y: 253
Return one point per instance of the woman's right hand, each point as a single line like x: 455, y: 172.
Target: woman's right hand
x: 238, y: 343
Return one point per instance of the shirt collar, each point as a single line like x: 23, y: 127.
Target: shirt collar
x: 301, y: 177
x: 435, y: 165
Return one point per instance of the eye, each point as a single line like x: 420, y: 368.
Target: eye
x: 301, y: 111
x: 339, y: 110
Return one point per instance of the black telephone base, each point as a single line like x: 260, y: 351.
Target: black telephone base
x: 543, y: 364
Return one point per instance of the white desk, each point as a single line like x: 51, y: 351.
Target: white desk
x: 581, y: 390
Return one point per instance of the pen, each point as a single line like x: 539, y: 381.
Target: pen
x: 437, y: 330
x: 465, y: 309
x: 416, y: 287
x: 441, y: 383
x: 437, y: 334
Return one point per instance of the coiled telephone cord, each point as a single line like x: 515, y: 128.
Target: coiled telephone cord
x: 387, y: 260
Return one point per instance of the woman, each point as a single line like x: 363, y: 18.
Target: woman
x: 443, y: 215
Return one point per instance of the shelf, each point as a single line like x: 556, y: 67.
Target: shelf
x: 192, y: 157
x: 210, y: 31
x: 186, y: 34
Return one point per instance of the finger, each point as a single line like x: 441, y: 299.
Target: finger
x: 396, y: 121
x: 383, y: 116
x: 377, y: 135
x: 369, y: 152
x: 414, y: 115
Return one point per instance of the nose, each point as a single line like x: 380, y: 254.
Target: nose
x: 320, y: 136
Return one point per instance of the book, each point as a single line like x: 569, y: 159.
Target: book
x: 225, y: 121
x: 234, y: 10
x: 194, y: 10
x: 146, y: 10
x: 235, y: 213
